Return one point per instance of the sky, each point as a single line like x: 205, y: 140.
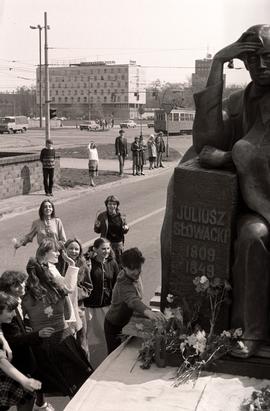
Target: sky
x: 163, y: 36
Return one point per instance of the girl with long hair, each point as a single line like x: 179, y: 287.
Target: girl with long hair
x: 63, y: 365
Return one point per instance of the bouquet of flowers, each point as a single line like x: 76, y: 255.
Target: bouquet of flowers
x: 182, y: 334
x: 260, y: 400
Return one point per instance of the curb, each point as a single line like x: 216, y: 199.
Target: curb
x: 79, y: 192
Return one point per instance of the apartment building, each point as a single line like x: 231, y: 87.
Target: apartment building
x: 202, y: 69
x: 97, y: 89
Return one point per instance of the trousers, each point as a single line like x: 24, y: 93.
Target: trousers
x: 48, y: 174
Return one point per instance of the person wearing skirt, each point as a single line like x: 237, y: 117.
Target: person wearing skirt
x: 92, y: 162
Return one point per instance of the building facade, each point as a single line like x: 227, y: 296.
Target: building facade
x: 202, y: 69
x: 94, y: 90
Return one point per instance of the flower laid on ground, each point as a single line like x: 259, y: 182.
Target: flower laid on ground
x: 183, y: 335
x: 260, y: 400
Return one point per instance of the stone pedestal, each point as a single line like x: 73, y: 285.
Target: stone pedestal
x: 203, y: 223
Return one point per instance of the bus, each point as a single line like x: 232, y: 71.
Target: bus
x: 12, y: 124
x: 179, y: 121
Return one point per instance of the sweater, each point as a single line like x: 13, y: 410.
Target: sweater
x: 47, y: 157
x: 126, y: 298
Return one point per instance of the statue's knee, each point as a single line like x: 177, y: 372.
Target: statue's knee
x: 252, y: 231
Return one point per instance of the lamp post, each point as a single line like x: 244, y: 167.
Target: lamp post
x: 141, y: 111
x: 39, y: 28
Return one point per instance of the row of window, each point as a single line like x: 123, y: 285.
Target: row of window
x: 176, y: 116
x: 91, y: 71
x: 90, y: 85
x: 85, y: 99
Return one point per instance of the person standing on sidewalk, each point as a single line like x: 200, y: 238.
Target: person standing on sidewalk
x: 160, y: 149
x: 47, y: 157
x: 143, y: 147
x: 135, y: 149
x: 152, y: 151
x: 92, y: 162
x: 121, y: 150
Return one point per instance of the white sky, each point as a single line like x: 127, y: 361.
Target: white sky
x: 168, y: 35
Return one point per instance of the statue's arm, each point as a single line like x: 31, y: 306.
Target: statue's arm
x: 212, y: 123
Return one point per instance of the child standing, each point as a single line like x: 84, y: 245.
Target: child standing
x: 127, y: 298
x: 93, y: 162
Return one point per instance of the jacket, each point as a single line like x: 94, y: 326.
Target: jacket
x: 101, y: 274
x: 102, y: 229
x: 126, y: 298
x: 21, y: 344
x: 121, y: 146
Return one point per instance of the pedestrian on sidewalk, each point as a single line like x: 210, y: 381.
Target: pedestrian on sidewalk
x: 135, y: 149
x: 47, y: 157
x: 160, y: 149
x: 112, y: 224
x: 152, y: 151
x: 92, y: 162
x: 121, y: 150
x: 126, y: 298
x: 47, y: 226
x: 142, y: 161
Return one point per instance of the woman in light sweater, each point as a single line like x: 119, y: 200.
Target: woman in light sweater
x: 63, y: 366
x: 47, y: 226
x: 93, y: 162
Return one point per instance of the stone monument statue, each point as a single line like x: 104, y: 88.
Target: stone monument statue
x: 235, y: 134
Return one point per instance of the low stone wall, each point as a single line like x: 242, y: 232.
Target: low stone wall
x: 21, y: 173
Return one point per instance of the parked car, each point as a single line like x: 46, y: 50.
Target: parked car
x: 128, y: 124
x: 89, y: 125
x: 12, y: 124
x: 150, y: 125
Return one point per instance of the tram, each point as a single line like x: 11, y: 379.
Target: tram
x: 179, y: 121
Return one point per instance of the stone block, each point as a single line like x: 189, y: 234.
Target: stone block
x: 204, y: 209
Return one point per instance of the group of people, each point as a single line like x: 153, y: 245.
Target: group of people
x: 155, y: 147
x: 61, y: 316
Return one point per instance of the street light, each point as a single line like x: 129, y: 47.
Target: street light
x: 39, y: 28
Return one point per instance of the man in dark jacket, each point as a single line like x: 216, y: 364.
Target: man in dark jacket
x: 121, y: 150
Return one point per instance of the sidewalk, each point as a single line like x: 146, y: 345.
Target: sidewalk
x: 12, y: 206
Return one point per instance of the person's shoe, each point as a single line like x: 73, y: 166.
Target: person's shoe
x: 142, y: 174
x: 51, y: 194
x: 45, y: 407
x: 133, y: 174
x: 137, y: 174
x: 47, y: 194
x: 92, y: 185
x: 245, y: 349
x: 161, y: 165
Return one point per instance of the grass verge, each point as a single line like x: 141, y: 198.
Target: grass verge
x: 105, y: 152
x: 71, y: 177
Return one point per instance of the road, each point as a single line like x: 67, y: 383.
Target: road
x: 64, y: 137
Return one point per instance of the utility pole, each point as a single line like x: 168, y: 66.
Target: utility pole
x: 46, y: 76
x: 40, y: 73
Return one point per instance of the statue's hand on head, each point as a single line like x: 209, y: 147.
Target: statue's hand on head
x: 239, y: 49
x: 211, y: 157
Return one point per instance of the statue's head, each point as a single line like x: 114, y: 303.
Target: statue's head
x: 258, y: 62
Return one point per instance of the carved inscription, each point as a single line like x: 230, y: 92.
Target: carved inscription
x: 201, y: 224
x: 208, y: 226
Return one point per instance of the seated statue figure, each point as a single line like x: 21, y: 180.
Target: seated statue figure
x: 236, y: 131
